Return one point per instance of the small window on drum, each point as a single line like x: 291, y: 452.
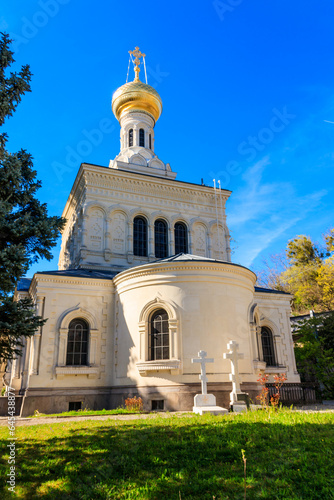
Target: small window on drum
x: 130, y: 137
x: 141, y: 137
x: 150, y: 141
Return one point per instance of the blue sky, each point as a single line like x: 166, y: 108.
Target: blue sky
x: 248, y: 98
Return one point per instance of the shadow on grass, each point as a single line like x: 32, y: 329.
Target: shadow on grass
x: 157, y: 459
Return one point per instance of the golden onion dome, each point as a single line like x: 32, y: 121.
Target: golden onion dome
x: 136, y: 96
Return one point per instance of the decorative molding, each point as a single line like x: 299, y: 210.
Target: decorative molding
x: 259, y: 365
x: 275, y: 369
x: 169, y: 365
x: 66, y: 280
x: 151, y: 269
x: 90, y: 371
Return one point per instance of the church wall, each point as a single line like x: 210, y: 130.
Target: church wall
x: 99, y: 234
x: 49, y: 383
x: 274, y: 312
x: 207, y: 306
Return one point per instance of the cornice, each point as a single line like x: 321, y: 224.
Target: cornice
x: 277, y: 296
x: 69, y: 280
x: 104, y: 177
x: 131, y: 182
x: 149, y: 270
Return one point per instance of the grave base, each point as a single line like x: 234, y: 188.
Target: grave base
x: 238, y: 408
x: 214, y: 410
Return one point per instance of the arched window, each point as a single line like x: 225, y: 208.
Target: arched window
x: 158, y: 343
x: 141, y: 137
x: 77, y: 343
x: 160, y: 239
x: 150, y: 141
x: 130, y: 137
x: 268, y: 348
x: 181, y: 238
x: 140, y: 237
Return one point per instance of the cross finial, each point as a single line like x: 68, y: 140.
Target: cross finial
x: 137, y: 54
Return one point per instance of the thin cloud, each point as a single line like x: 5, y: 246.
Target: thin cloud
x: 262, y: 211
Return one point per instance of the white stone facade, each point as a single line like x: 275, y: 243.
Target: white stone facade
x: 104, y: 202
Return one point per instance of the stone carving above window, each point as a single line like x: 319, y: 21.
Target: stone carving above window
x: 218, y: 243
x: 95, y: 230
x: 118, y: 233
x: 199, y: 240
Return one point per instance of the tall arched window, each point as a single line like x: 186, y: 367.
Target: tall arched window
x: 77, y: 343
x: 160, y: 239
x: 181, y: 238
x: 141, y: 137
x: 268, y: 348
x: 158, y: 343
x: 140, y: 237
x: 130, y: 137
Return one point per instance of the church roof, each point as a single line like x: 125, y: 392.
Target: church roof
x: 82, y: 273
x: 269, y: 290
x: 186, y: 257
x: 24, y: 284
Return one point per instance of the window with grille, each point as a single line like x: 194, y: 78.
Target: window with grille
x: 158, y: 404
x: 74, y: 406
x: 160, y: 239
x: 141, y: 137
x: 181, y: 238
x: 140, y: 236
x: 77, y: 343
x: 268, y: 348
x: 158, y: 344
x: 130, y: 137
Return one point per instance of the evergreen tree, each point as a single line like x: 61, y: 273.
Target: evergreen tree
x: 26, y: 231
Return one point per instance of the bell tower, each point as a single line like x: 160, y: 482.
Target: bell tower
x: 137, y: 106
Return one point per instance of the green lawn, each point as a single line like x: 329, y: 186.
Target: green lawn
x: 85, y: 413
x: 289, y: 455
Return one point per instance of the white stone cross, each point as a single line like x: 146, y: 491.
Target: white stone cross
x: 234, y: 356
x: 202, y: 359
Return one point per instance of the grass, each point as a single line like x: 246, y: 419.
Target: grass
x: 85, y: 412
x: 289, y: 456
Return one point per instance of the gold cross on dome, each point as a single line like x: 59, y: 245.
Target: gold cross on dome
x: 137, y: 54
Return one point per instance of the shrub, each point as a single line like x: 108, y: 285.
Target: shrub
x: 134, y: 404
x: 264, y: 394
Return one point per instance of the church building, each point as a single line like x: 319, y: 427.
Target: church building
x: 145, y: 281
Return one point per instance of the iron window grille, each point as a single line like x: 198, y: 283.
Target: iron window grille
x: 159, y: 336
x: 140, y: 237
x: 160, y: 238
x: 268, y: 348
x: 181, y: 238
x: 77, y: 343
